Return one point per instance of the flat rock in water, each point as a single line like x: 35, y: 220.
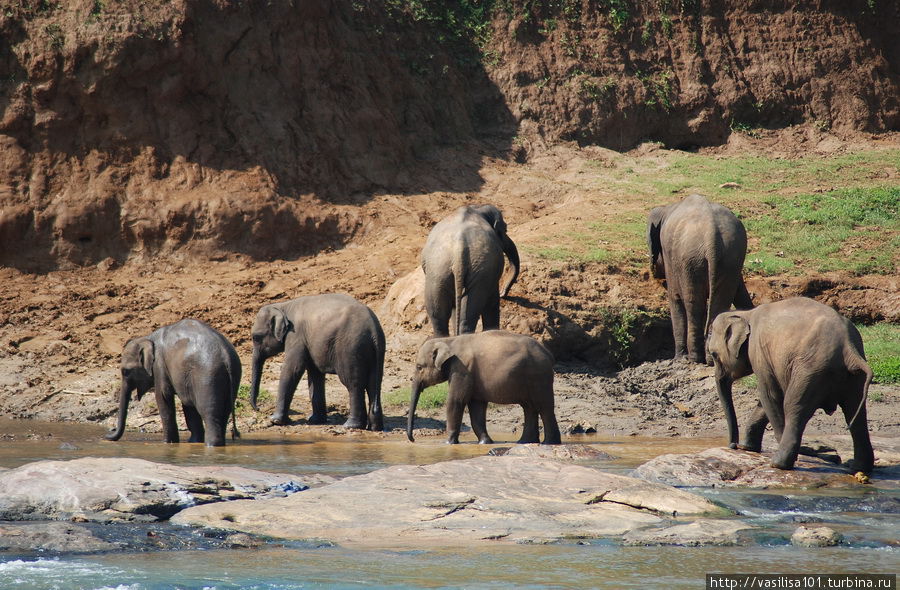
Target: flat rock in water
x: 54, y: 537
x: 721, y: 467
x: 104, y: 489
x: 700, y: 532
x: 513, y: 499
x: 558, y: 452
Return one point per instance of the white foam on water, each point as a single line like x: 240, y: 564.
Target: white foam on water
x: 56, y: 573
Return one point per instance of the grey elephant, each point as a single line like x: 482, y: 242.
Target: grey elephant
x: 463, y: 264
x: 698, y: 247
x: 319, y: 335
x: 193, y: 361
x: 805, y: 356
x: 493, y: 366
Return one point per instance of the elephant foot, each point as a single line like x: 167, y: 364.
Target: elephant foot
x: 376, y: 425
x: 453, y: 440
x: 751, y: 448
x: 279, y: 420
x: 485, y: 440
x: 527, y: 441
x: 855, y: 466
x: 317, y: 419
x: 355, y: 423
x: 783, y: 465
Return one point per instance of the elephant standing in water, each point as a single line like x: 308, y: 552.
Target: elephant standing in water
x: 698, y: 247
x: 193, y: 361
x: 463, y: 264
x: 805, y: 356
x: 493, y: 366
x: 322, y: 334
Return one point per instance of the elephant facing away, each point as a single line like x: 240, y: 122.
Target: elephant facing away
x: 805, y: 356
x: 698, y: 247
x: 319, y: 335
x: 193, y: 361
x: 463, y: 264
x: 493, y: 366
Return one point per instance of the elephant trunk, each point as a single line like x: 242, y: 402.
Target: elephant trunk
x: 255, y: 376
x: 413, y: 402
x: 509, y: 248
x: 723, y: 385
x: 124, y: 398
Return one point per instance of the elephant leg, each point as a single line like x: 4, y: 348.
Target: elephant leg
x: 720, y: 300
x: 696, y: 309
x: 194, y: 423
x: 472, y: 304
x: 753, y: 435
x: 530, y: 431
x: 455, y: 409
x: 373, y: 389
x: 679, y: 324
x: 478, y: 417
x: 165, y: 401
x: 358, y: 417
x: 800, y: 403
x: 863, y: 456
x: 439, y: 304
x: 316, y: 381
x: 291, y: 371
x: 551, y: 428
x: 490, y: 315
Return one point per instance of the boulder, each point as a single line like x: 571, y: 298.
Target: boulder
x: 509, y: 499
x: 104, y: 489
x: 816, y: 537
x: 700, y: 532
x: 722, y: 467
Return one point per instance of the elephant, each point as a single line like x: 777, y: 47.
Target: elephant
x: 322, y: 334
x: 189, y: 359
x: 805, y: 356
x: 698, y: 248
x: 463, y: 264
x: 492, y: 366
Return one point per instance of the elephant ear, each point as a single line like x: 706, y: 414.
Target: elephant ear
x: 280, y: 324
x: 737, y: 332
x: 147, y: 355
x: 442, y: 354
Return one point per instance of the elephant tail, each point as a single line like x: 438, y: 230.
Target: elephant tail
x: 234, y: 387
x: 459, y: 287
x: 857, y: 364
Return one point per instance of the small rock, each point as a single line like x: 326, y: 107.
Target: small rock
x: 67, y: 446
x: 242, y: 540
x: 107, y: 263
x: 581, y: 428
x: 817, y: 537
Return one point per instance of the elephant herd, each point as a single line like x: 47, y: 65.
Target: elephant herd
x: 805, y: 355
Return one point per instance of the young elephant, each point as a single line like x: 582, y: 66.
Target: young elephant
x: 322, y: 334
x: 698, y: 247
x: 805, y: 356
x: 493, y: 366
x: 193, y: 361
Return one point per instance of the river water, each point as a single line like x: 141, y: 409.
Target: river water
x: 868, y: 519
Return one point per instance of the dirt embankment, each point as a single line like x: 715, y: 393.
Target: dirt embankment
x: 138, y: 127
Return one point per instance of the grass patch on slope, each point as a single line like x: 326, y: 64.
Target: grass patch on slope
x: 431, y: 398
x: 882, y: 345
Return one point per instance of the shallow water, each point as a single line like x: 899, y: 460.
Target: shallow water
x: 868, y: 519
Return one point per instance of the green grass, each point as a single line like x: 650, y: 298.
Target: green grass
x: 429, y: 399
x: 243, y: 397
x: 882, y: 346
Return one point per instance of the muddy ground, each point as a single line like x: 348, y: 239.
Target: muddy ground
x: 61, y: 332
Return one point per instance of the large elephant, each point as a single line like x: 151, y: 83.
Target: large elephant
x: 493, y: 366
x: 805, y: 356
x: 322, y: 334
x: 698, y: 247
x: 463, y: 264
x: 193, y: 361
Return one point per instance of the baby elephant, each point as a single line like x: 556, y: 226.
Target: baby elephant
x: 322, y: 334
x: 806, y: 356
x: 492, y: 366
x: 193, y: 361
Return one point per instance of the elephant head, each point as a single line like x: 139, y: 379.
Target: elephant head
x: 269, y: 333
x: 495, y: 218
x: 138, y: 357
x: 727, y: 344
x: 654, y: 227
x: 429, y: 371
